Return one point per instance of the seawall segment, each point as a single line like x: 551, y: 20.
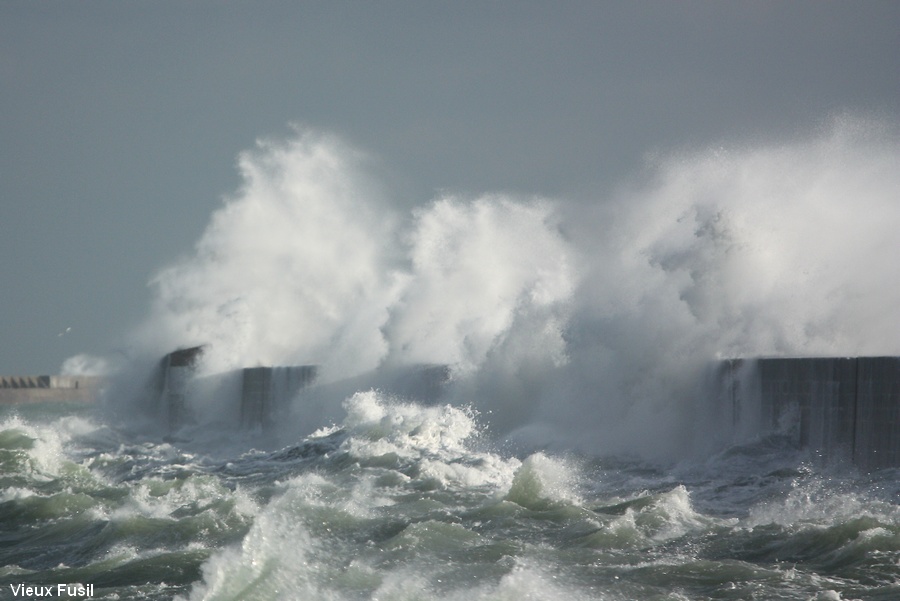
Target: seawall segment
x: 176, y: 370
x: 258, y: 398
x: 263, y: 392
x: 843, y: 408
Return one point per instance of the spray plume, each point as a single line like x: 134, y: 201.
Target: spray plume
x: 582, y: 323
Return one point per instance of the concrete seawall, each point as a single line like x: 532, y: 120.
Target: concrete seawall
x: 258, y: 398
x: 175, y: 372
x: 843, y: 408
x: 262, y: 392
x: 265, y: 392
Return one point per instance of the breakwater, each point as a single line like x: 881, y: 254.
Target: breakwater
x: 258, y: 398
x: 261, y: 393
x: 842, y: 408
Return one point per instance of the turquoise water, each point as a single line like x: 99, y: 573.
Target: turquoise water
x: 406, y: 502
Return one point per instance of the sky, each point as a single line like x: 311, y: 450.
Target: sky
x: 121, y: 122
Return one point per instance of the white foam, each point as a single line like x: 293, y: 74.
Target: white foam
x: 819, y: 502
x: 437, y: 440
x: 528, y: 580
x: 46, y: 457
x: 543, y: 481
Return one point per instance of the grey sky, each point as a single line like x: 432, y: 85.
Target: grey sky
x: 121, y: 121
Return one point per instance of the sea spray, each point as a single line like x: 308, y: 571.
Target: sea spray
x: 581, y: 324
x: 484, y: 272
x: 295, y: 268
x: 750, y: 250
x: 306, y: 256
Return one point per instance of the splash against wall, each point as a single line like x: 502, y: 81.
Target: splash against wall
x: 579, y: 320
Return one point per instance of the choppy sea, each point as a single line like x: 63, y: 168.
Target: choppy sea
x: 399, y: 501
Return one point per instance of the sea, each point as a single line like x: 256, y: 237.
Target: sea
x: 405, y: 501
x: 573, y: 453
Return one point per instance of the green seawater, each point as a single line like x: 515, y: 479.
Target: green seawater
x: 403, y: 502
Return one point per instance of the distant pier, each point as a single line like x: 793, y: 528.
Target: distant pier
x: 38, y: 389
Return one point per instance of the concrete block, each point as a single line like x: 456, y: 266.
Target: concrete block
x: 877, y: 429
x: 820, y: 391
x: 841, y: 407
x: 266, y: 391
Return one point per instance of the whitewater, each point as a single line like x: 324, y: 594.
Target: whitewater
x: 571, y: 452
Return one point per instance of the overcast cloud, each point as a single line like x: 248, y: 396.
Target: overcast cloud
x: 121, y: 122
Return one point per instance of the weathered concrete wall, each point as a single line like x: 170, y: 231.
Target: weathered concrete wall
x: 843, y: 407
x: 176, y: 371
x: 823, y: 391
x: 256, y: 393
x: 265, y: 392
x: 262, y: 392
x: 877, y: 427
